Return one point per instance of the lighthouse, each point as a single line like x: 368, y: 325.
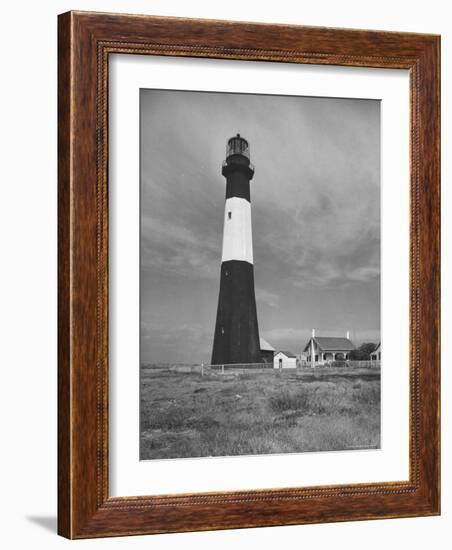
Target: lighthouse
x: 236, y: 338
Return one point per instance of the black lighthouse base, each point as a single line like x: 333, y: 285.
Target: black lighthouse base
x: 236, y: 338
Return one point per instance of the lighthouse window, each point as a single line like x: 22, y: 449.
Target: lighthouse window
x: 229, y: 215
x: 222, y: 330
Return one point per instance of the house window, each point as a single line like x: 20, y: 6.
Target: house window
x: 229, y: 215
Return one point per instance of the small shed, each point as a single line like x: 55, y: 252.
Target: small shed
x: 376, y: 354
x: 267, y: 351
x: 285, y: 360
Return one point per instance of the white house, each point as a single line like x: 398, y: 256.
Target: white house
x: 323, y: 349
x: 376, y: 354
x: 284, y: 360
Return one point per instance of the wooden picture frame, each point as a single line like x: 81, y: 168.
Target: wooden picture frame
x: 85, y: 42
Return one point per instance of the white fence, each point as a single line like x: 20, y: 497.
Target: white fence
x: 257, y: 367
x: 344, y: 364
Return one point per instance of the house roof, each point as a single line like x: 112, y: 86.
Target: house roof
x: 264, y: 345
x: 287, y: 354
x: 331, y: 343
x: 377, y: 348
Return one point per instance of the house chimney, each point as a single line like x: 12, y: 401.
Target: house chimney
x: 348, y: 335
x: 313, y: 332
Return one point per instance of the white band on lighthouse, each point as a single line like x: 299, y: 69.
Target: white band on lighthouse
x: 237, y: 237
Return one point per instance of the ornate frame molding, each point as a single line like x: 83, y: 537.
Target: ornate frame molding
x: 85, y: 42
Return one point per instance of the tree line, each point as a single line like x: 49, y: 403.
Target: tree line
x: 363, y: 352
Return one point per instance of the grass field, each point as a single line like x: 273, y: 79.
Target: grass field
x: 189, y: 415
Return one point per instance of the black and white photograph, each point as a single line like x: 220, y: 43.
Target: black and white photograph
x: 259, y: 274
x: 225, y: 233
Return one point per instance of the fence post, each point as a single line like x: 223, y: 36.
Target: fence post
x: 222, y: 369
x: 202, y: 369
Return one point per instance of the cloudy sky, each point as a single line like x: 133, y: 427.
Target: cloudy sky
x: 315, y: 200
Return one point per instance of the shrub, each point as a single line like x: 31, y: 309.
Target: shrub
x: 173, y: 418
x: 289, y: 402
x: 369, y: 395
x: 338, y: 364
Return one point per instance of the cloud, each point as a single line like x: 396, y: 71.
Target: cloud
x: 330, y: 274
x: 194, y: 331
x: 178, y: 249
x: 288, y: 334
x: 316, y: 252
x: 365, y: 335
x: 288, y: 338
x: 268, y: 298
x: 364, y: 273
x: 179, y: 343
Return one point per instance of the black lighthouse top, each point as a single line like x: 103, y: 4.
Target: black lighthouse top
x: 238, y: 158
x: 237, y: 145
